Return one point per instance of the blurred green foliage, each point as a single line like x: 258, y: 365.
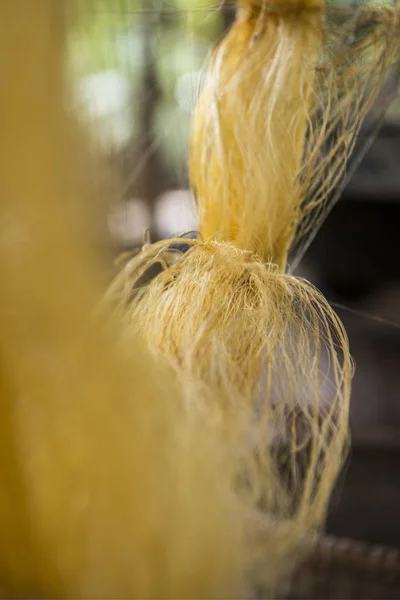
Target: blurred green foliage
x: 169, y: 38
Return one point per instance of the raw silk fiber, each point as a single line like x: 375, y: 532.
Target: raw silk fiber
x: 226, y: 315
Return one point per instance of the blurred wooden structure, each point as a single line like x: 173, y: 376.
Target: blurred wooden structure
x: 341, y: 569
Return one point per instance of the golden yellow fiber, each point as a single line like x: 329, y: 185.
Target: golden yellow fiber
x: 272, y: 347
x: 249, y: 129
x: 359, y: 48
x: 109, y: 487
x: 280, y: 77
x: 261, y: 350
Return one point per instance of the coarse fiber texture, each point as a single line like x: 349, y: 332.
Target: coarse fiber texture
x: 285, y: 94
x: 249, y: 128
x: 273, y: 353
x: 276, y: 122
